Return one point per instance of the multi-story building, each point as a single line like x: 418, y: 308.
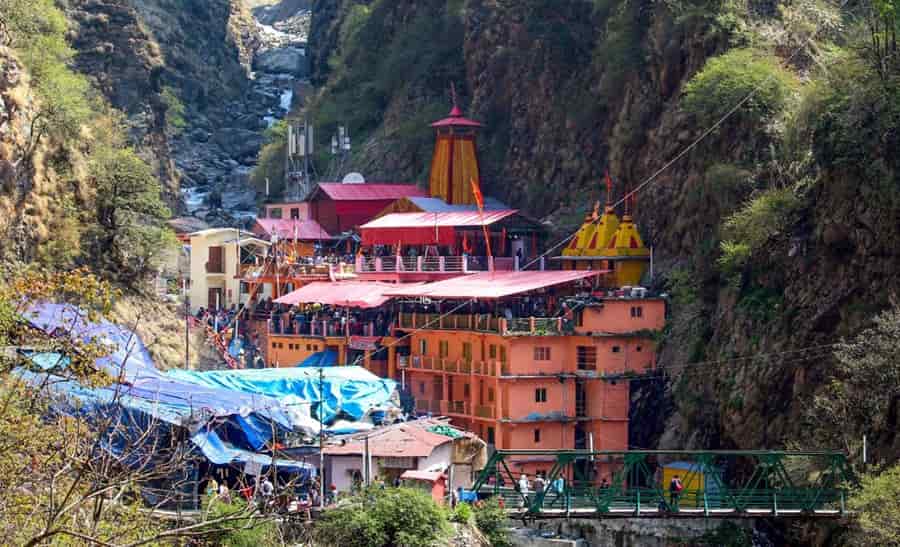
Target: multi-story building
x: 530, y: 382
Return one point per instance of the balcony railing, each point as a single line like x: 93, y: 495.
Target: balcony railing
x: 462, y: 408
x: 477, y: 322
x: 484, y: 411
x: 440, y: 264
x: 459, y: 366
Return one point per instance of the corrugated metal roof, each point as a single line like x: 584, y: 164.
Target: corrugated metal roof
x: 288, y: 228
x: 445, y: 219
x: 370, y: 191
x: 493, y: 284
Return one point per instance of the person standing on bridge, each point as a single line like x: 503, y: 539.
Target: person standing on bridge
x: 523, y: 489
x: 675, y: 488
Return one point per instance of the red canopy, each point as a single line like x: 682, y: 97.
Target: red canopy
x: 436, y: 228
x: 493, y: 284
x: 354, y: 294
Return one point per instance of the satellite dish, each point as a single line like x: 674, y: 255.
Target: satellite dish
x: 354, y: 178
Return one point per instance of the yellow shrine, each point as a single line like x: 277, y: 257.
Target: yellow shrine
x: 605, y: 243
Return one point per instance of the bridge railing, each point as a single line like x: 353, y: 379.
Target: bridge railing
x: 716, y: 483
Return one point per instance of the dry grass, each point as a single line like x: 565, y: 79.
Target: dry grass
x: 161, y: 328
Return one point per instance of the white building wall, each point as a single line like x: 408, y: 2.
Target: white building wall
x: 340, y: 470
x: 201, y: 281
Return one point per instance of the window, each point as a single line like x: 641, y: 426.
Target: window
x: 490, y: 435
x: 275, y: 213
x: 579, y: 318
x: 638, y: 348
x: 542, y: 353
x: 540, y: 395
x: 466, y: 391
x: 295, y: 213
x: 245, y: 288
x: 443, y: 348
x: 308, y: 347
x: 467, y: 351
x: 587, y: 357
x: 537, y: 436
x: 422, y: 388
x: 490, y: 395
x: 492, y: 351
x: 637, y: 311
x: 502, y: 354
x: 423, y: 347
x: 290, y: 346
x: 616, y: 349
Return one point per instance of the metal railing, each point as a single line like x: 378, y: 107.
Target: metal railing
x: 439, y: 264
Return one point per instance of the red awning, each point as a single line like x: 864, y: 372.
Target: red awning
x: 493, y: 284
x: 353, y: 294
x: 426, y: 228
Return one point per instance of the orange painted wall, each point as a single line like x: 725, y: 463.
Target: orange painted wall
x: 287, y: 351
x: 615, y: 316
x: 520, y: 395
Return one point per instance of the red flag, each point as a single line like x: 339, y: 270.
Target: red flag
x: 476, y: 191
x: 608, y: 188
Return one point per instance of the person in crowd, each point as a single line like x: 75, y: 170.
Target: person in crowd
x: 524, y: 489
x: 224, y: 494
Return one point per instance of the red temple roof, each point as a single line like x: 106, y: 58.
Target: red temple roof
x: 368, y: 192
x: 456, y: 119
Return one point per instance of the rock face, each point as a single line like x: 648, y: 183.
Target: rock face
x: 203, y: 53
x: 286, y: 60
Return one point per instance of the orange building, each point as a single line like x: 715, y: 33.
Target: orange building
x: 528, y: 382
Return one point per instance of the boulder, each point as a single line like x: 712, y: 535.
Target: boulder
x: 285, y: 60
x: 239, y: 142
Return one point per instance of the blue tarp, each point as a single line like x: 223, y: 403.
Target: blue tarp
x: 128, y: 356
x: 219, y: 452
x: 327, y: 358
x: 351, y: 391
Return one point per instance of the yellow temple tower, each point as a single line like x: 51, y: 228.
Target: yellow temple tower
x: 455, y: 161
x: 605, y: 243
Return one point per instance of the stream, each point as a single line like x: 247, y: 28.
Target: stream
x: 215, y: 157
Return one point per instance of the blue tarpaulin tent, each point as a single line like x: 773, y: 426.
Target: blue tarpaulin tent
x: 327, y: 358
x: 349, y: 391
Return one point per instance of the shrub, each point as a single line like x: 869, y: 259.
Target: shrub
x: 875, y: 503
x: 750, y: 227
x: 245, y: 530
x: 400, y: 517
x: 490, y: 518
x: 728, y: 79
x: 462, y: 514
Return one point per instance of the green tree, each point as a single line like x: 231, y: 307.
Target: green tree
x: 129, y: 237
x: 270, y: 166
x: 875, y: 504
x: 400, y: 517
x: 864, y: 394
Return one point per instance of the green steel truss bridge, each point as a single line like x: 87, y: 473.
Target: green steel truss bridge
x: 717, y: 484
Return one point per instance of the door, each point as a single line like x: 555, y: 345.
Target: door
x: 215, y: 296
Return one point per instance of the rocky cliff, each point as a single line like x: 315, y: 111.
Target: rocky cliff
x: 570, y: 89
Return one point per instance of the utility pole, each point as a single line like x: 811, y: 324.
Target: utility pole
x: 187, y: 325
x: 321, y: 439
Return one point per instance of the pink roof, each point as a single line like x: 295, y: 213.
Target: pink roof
x: 287, y: 228
x: 368, y: 192
x: 493, y: 284
x: 408, y: 439
x: 430, y: 220
x: 355, y: 294
x: 428, y: 476
x: 456, y: 119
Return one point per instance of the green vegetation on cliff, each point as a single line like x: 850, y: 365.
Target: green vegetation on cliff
x: 76, y: 191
